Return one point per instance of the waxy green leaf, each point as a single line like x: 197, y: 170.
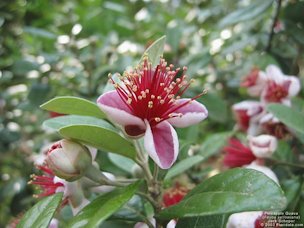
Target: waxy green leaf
x: 211, y: 221
x: 100, y: 137
x: 73, y: 105
x: 155, y: 51
x: 251, y: 11
x: 233, y: 191
x: 103, y: 207
x: 41, y: 214
x: 289, y: 116
x: 183, y: 165
x: 214, y: 143
x: 64, y: 121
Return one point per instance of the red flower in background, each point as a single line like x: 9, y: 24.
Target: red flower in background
x: 55, y: 114
x: 263, y: 221
x: 237, y: 154
x: 174, y: 195
x: 48, y: 183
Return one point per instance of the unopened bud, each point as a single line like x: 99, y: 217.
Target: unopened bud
x: 68, y: 160
x: 262, y: 146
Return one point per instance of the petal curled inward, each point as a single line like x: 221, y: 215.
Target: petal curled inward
x: 192, y: 113
x: 294, y: 86
x: 117, y: 111
x: 262, y: 146
x: 161, y: 143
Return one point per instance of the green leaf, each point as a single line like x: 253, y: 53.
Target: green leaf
x: 214, y: 143
x: 292, y: 188
x: 251, y: 11
x: 101, y: 138
x: 122, y: 162
x: 183, y: 165
x: 211, y: 221
x: 73, y: 105
x: 38, y: 93
x: 63, y: 121
x: 284, y: 152
x: 39, y: 32
x: 103, y: 207
x: 289, y: 116
x: 41, y: 214
x: 233, y: 191
x: 216, y: 105
x: 155, y: 51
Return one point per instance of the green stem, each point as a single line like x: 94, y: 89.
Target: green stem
x: 146, y: 220
x: 274, y: 21
x: 149, y: 198
x: 142, y: 161
x: 96, y: 175
x: 155, y: 172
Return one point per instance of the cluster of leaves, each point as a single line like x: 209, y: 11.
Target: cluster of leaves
x: 70, y: 49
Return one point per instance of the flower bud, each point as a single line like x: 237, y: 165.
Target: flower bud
x: 262, y: 146
x: 68, y: 160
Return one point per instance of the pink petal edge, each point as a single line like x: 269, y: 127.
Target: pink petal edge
x: 193, y: 113
x: 117, y: 111
x: 161, y: 143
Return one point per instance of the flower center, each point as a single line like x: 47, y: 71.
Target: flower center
x: 153, y: 94
x: 276, y: 92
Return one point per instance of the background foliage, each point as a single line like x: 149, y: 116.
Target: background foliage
x: 55, y: 48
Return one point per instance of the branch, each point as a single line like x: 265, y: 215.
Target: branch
x: 274, y: 21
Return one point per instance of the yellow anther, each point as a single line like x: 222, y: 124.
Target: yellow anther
x: 162, y: 101
x: 139, y: 97
x: 150, y: 104
x: 134, y: 88
x: 157, y: 119
x: 152, y: 96
x: 129, y: 101
x: 158, y: 97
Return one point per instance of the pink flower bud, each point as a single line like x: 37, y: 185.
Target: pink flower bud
x: 262, y: 146
x: 68, y: 160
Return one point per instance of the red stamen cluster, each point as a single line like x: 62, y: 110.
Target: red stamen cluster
x: 151, y: 94
x: 276, y: 92
x: 45, y: 182
x: 174, y: 195
x: 237, y: 154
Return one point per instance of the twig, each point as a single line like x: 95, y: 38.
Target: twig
x: 274, y: 21
x: 147, y: 197
x: 146, y: 220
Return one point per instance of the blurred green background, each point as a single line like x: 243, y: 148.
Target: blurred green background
x: 52, y: 48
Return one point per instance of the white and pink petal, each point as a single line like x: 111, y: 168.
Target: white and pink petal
x: 118, y: 112
x: 161, y: 143
x: 191, y: 113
